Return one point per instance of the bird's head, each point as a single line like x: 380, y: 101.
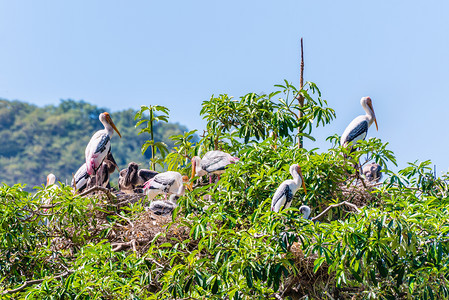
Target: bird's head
x: 105, y: 117
x: 305, y: 210
x: 369, y: 103
x: 187, y: 183
x: 51, y: 179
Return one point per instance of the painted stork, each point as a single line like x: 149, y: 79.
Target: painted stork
x: 284, y: 194
x: 83, y: 180
x: 50, y: 187
x: 169, y: 182
x: 80, y: 179
x: 51, y: 180
x: 305, y: 210
x: 162, y: 208
x: 213, y: 162
x: 100, y: 144
x: 372, y: 172
x: 132, y: 177
x: 358, y: 128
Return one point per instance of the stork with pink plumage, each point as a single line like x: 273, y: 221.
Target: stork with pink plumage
x: 213, y: 162
x: 100, y: 144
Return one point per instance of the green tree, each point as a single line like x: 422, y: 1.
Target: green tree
x: 161, y: 146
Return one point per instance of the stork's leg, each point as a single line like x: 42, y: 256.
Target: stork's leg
x: 218, y: 178
x: 210, y: 179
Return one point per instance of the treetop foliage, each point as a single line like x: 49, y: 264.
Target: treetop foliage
x: 366, y: 240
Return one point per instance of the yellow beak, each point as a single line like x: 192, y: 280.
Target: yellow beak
x: 303, y: 183
x: 108, y: 118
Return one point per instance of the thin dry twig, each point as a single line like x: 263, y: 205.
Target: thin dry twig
x: 33, y: 282
x: 101, y: 189
x: 336, y: 205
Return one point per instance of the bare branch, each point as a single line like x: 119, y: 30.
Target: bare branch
x: 336, y: 205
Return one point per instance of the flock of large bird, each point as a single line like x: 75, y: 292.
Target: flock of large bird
x: 100, y: 164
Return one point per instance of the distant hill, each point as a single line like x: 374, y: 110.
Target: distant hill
x: 36, y: 140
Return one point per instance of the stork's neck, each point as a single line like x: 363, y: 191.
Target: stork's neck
x: 198, y: 168
x: 108, y: 127
x: 369, y: 113
x: 296, y: 178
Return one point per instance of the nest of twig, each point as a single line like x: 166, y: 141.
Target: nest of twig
x: 149, y: 228
x: 358, y: 191
x: 307, y: 282
x: 136, y: 232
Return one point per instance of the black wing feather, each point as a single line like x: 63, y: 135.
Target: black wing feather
x: 361, y: 128
x: 288, y: 196
x: 102, y: 144
x: 206, y: 164
x: 146, y: 174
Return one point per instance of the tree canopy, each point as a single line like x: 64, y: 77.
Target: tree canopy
x: 366, y: 240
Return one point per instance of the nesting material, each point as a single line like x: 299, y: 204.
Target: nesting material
x: 358, y: 192
x: 137, y: 233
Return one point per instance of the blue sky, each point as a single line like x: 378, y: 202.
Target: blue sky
x: 119, y: 55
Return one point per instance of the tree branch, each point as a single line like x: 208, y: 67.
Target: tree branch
x: 336, y: 205
x: 300, y: 96
x: 32, y: 282
x: 98, y: 188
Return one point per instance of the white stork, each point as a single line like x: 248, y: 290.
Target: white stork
x: 161, y: 207
x: 284, y: 194
x: 358, y: 128
x: 169, y: 182
x: 213, y: 162
x: 100, y: 144
x: 79, y: 181
x: 305, y: 210
x: 51, y: 180
x: 50, y: 188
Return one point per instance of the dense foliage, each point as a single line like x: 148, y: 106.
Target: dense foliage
x: 389, y: 240
x: 37, y: 141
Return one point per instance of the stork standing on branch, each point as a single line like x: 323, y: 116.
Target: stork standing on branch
x: 358, y: 128
x: 284, y: 194
x: 169, y: 182
x: 213, y: 162
x: 100, y: 144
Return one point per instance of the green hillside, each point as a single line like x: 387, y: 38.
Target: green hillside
x: 39, y: 140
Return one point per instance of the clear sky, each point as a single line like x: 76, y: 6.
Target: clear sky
x: 123, y: 54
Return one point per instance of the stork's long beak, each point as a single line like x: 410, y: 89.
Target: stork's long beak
x: 108, y: 118
x: 193, y: 170
x: 374, y: 115
x: 303, y: 183
x: 190, y: 186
